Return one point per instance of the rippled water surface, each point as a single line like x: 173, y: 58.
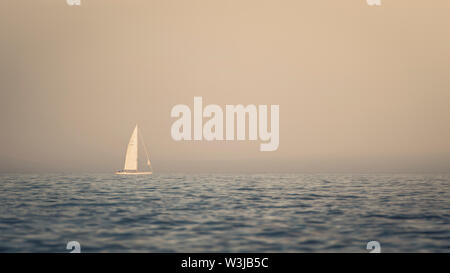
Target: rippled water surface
x: 225, y: 213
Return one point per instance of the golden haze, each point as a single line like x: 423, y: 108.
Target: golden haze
x: 359, y: 88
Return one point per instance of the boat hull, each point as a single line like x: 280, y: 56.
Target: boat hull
x: 133, y: 173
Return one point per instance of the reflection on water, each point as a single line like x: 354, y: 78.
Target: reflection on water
x: 225, y: 213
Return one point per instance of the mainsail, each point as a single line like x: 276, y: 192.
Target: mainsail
x: 131, y: 159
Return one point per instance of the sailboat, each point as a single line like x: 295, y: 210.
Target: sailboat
x: 131, y: 158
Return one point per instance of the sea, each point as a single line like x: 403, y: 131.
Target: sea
x: 225, y: 213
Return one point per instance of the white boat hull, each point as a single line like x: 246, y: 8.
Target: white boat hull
x: 133, y: 173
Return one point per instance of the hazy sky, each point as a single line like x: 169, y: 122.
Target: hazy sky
x: 360, y: 88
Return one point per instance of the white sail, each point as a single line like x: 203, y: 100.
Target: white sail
x: 131, y: 159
